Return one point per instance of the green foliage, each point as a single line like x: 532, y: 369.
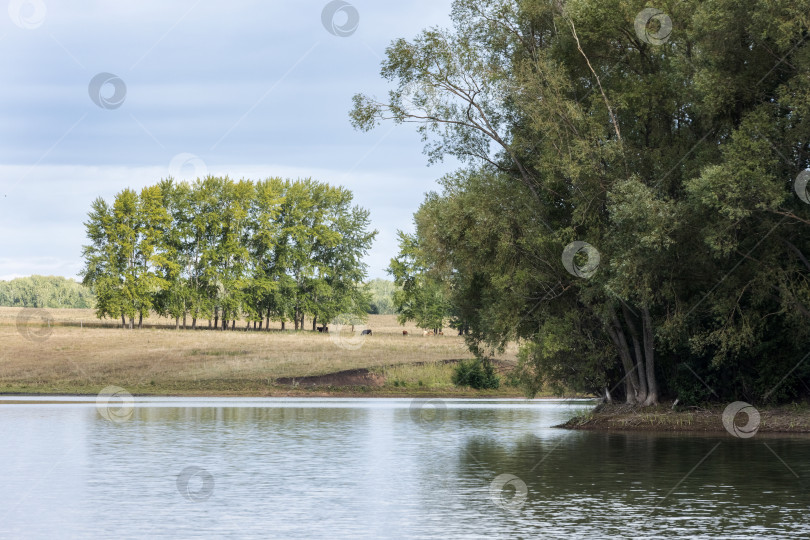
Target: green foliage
x: 675, y: 160
x: 216, y: 248
x: 45, y: 292
x: 421, y: 296
x: 476, y: 374
x: 381, y: 296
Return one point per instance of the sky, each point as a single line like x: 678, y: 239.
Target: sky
x: 99, y: 96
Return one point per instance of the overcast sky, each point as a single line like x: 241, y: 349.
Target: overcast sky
x: 244, y: 88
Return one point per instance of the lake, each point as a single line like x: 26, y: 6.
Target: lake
x: 351, y: 468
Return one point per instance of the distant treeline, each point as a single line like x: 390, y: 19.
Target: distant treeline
x: 60, y: 292
x: 45, y: 292
x: 382, y: 296
x: 224, y: 250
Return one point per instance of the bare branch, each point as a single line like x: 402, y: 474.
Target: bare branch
x: 598, y: 81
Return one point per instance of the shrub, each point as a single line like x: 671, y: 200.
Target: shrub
x: 475, y: 374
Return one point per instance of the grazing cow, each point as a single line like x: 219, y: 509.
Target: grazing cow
x: 441, y: 333
x: 323, y: 329
x: 366, y: 332
x: 424, y: 333
x: 404, y: 332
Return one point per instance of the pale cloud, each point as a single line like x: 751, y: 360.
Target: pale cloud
x: 254, y: 88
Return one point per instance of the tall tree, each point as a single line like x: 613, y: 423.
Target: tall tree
x: 637, y: 174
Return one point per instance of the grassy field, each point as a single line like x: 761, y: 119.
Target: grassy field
x: 69, y: 351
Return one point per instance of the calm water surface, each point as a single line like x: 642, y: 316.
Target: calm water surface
x: 343, y: 468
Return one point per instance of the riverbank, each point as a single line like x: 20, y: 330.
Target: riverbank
x: 620, y: 417
x: 420, y: 379
x: 69, y: 352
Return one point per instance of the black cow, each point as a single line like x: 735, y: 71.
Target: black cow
x: 323, y: 329
x: 366, y: 332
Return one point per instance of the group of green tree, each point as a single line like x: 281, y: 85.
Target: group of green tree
x: 45, y: 292
x: 221, y: 250
x: 672, y: 141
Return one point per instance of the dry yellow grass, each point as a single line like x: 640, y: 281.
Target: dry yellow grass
x: 56, y: 354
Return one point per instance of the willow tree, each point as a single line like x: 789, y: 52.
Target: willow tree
x: 620, y: 164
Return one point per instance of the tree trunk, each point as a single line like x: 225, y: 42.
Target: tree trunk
x: 639, y: 357
x: 216, y: 318
x: 194, y: 323
x: 177, y: 323
x: 140, y: 320
x: 649, y: 353
x: 131, y: 323
x: 233, y: 324
x: 630, y: 377
x: 282, y: 325
x: 184, y: 320
x: 314, y: 322
x: 123, y: 321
